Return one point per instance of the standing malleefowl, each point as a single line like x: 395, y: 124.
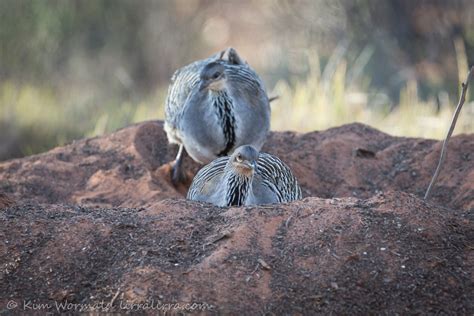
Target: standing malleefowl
x: 214, y: 106
x: 245, y: 178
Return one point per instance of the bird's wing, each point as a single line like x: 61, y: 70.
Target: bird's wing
x: 182, y: 83
x: 207, y: 180
x: 245, y: 83
x: 277, y: 176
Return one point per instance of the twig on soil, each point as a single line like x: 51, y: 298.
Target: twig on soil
x: 247, y: 279
x: 287, y: 223
x: 264, y: 265
x: 462, y: 99
x: 225, y: 234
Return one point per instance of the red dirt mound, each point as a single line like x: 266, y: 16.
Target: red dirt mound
x: 97, y: 222
x: 128, y: 168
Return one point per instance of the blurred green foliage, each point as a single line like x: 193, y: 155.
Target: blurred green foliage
x: 76, y: 68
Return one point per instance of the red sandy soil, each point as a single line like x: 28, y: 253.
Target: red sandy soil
x: 98, y: 221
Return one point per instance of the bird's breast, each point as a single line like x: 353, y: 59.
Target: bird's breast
x: 206, y: 128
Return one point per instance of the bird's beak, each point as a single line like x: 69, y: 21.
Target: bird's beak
x: 252, y: 165
x: 204, y: 85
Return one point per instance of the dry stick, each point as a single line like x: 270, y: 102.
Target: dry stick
x: 451, y: 128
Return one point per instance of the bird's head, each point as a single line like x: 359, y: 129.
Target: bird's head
x: 244, y: 160
x: 213, y: 77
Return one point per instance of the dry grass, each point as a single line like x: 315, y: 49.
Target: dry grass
x: 317, y: 103
x: 322, y: 100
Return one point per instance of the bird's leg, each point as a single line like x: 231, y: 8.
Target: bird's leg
x: 177, y: 172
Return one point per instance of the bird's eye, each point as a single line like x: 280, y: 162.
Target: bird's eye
x: 239, y: 158
x: 216, y: 75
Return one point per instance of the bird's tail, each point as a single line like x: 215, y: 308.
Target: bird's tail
x: 271, y: 99
x: 230, y: 55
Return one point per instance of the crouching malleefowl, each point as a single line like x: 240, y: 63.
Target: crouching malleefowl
x: 214, y: 106
x: 245, y: 178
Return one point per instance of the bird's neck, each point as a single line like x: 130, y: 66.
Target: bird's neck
x: 237, y: 187
x: 215, y: 94
x: 223, y: 107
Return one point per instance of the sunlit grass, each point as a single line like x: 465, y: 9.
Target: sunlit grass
x: 318, y: 104
x: 40, y: 119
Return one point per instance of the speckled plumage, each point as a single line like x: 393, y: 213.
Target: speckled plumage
x: 212, y: 123
x: 223, y: 184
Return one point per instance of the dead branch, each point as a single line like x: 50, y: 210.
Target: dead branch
x: 462, y: 99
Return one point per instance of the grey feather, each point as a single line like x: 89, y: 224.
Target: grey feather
x: 222, y: 184
x: 213, y: 122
